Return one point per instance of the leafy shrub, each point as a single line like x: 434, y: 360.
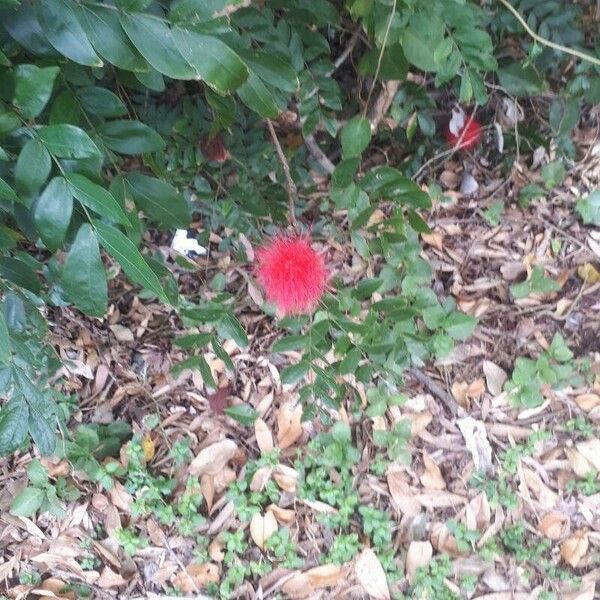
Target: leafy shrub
x: 109, y: 110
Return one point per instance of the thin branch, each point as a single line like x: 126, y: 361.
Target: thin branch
x: 318, y: 154
x: 380, y: 59
x: 546, y: 42
x: 290, y: 185
x: 438, y: 391
x: 341, y: 59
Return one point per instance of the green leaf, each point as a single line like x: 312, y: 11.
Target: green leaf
x: 101, y: 102
x: 393, y: 64
x: 83, y: 274
x: 33, y: 88
x: 42, y: 433
x: 213, y: 60
x: 130, y: 137
x: 20, y: 273
x: 63, y: 30
x: 154, y: 41
x: 68, y: 141
x: 242, y: 413
x: 13, y: 424
x: 559, y: 349
x: 421, y: 38
x: 538, y: 283
x: 192, y: 340
x: 230, y: 328
x: 7, y: 193
x: 294, y: 373
x: 96, y: 198
x: 350, y: 362
x: 519, y: 79
x: 256, y: 96
x: 459, y: 326
x: 290, y: 342
x: 108, y: 38
x: 32, y: 168
x: 159, y: 200
x: 36, y: 473
x: 553, y: 174
x: 274, y: 69
x: 5, y: 353
x: 387, y: 182
x: 123, y: 249
x: 589, y: 208
x: 355, y: 137
x: 27, y: 502
x: 52, y: 213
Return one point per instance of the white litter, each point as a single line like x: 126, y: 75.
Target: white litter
x: 185, y: 245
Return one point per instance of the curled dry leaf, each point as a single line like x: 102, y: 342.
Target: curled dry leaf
x: 213, y: 458
x: 207, y: 487
x: 285, y: 516
x: 196, y: 576
x: 587, y: 401
x: 553, y: 525
x: 403, y: 498
x: 419, y: 555
x: 264, y: 438
x: 215, y: 549
x: 109, y: 579
x: 494, y: 377
x: 260, y: 478
x: 580, y: 465
x: 590, y: 450
x: 574, y: 548
x: 289, y: 424
x: 262, y: 528
x: 432, y: 477
x: 371, y: 576
x: 286, y: 478
x: 477, y: 442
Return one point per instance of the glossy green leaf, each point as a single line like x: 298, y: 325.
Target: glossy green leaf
x: 124, y: 251
x: 355, y: 137
x: 291, y: 342
x: 83, y: 274
x: 230, y: 327
x: 27, y: 502
x: 5, y: 353
x: 7, y: 193
x: 242, y: 413
x: 33, y: 88
x: 63, y: 30
x: 52, y: 214
x: 589, y: 208
x: 159, y: 200
x: 13, y: 424
x: 154, y: 41
x: 108, y: 38
x: 68, y: 141
x: 294, y: 373
x: 256, y: 96
x: 213, y: 60
x: 32, y: 168
x: 101, y: 102
x: 521, y: 80
x: 96, y: 198
x: 130, y: 137
x: 421, y: 39
x: 274, y: 69
x: 18, y: 272
x: 42, y: 432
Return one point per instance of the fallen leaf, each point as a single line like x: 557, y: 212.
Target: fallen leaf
x: 298, y: 586
x: 324, y: 575
x: 403, y: 498
x: 289, y: 424
x: 434, y: 239
x: 477, y: 443
x: 264, y: 438
x: 553, y: 525
x: 574, y: 548
x: 285, y: 516
x: 419, y: 555
x: 148, y: 448
x: 581, y: 466
x: 590, y: 450
x: 494, y: 377
x: 213, y: 458
x: 262, y: 528
x: 218, y: 401
x: 587, y: 401
x: 123, y: 334
x: 196, y: 576
x: 588, y: 273
x: 109, y: 579
x: 432, y: 477
x: 371, y: 576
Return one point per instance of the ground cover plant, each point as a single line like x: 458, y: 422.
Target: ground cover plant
x: 299, y: 299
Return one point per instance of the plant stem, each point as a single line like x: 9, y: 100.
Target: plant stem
x: 290, y: 185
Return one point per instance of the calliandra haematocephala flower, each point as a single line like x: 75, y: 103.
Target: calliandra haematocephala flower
x: 292, y: 273
x: 466, y: 126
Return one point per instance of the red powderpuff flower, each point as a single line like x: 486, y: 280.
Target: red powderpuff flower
x: 473, y: 132
x: 292, y: 273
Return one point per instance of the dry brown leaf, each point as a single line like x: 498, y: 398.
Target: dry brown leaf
x: 434, y: 239
x: 586, y: 592
x: 324, y: 575
x: 123, y: 334
x: 207, y: 487
x: 587, y: 401
x: 213, y: 458
x: 148, y: 448
x: 459, y: 391
x: 215, y: 549
x: 553, y: 525
x: 581, y: 466
x: 289, y: 424
x: 286, y: 478
x: 590, y: 450
x: 285, y: 516
x: 196, y: 576
x: 546, y: 497
x: 477, y: 442
x: 57, y: 587
x: 264, y: 438
x: 494, y: 377
x: 109, y: 579
x: 574, y: 548
x: 260, y: 478
x: 419, y: 555
x: 262, y: 528
x: 371, y: 576
x: 588, y: 273
x: 432, y: 476
x: 403, y: 498
x: 298, y: 586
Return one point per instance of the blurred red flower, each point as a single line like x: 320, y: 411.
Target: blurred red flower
x: 473, y: 132
x: 292, y: 273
